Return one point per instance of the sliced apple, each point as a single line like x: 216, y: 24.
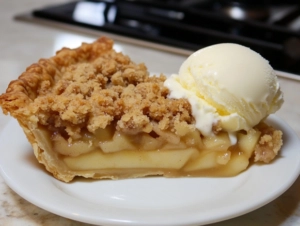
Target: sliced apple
x: 247, y: 142
x: 119, y: 142
x: 169, y: 159
x: 149, y: 143
x: 218, y: 142
x: 104, y: 134
x: 62, y: 146
x: 206, y: 160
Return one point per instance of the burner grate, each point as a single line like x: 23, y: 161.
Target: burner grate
x: 190, y: 25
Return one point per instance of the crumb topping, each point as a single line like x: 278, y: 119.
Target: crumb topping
x: 268, y: 145
x: 91, y: 87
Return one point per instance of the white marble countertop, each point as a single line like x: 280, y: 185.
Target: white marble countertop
x: 24, y: 43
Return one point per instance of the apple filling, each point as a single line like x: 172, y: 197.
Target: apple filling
x: 109, y: 150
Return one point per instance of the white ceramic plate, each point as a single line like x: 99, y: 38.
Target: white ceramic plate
x: 148, y: 201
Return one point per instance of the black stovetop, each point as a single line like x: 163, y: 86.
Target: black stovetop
x: 273, y: 30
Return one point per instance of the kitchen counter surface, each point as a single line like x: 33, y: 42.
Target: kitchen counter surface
x: 24, y: 43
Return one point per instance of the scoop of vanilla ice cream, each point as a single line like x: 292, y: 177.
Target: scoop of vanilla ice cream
x: 229, y: 84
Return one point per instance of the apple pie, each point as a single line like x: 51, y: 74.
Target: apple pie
x: 94, y: 113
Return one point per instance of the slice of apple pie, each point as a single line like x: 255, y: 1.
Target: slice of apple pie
x: 94, y: 113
